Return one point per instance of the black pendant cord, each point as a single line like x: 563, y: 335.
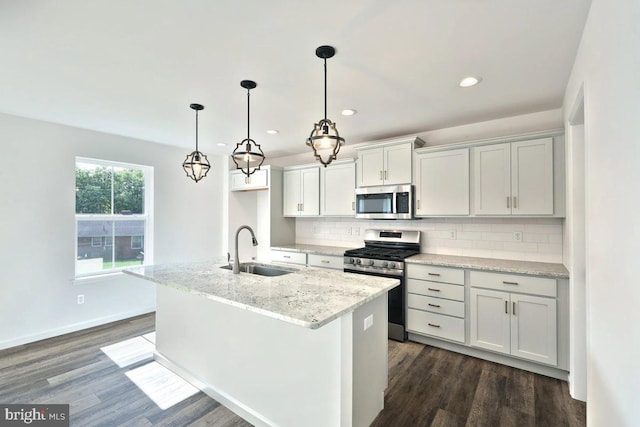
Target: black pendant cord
x: 325, y: 89
x: 196, y: 130
x: 248, y: 116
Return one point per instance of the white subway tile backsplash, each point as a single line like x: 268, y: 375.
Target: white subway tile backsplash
x: 476, y: 237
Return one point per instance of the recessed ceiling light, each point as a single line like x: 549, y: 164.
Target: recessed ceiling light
x: 273, y: 131
x: 348, y: 112
x: 470, y: 81
x: 221, y: 144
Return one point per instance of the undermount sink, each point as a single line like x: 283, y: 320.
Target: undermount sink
x: 262, y: 269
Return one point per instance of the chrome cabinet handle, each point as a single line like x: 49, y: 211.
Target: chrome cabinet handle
x: 380, y: 175
x: 324, y: 261
x: 418, y: 204
x: 435, y: 326
x: 434, y: 305
x: 509, y: 283
x: 353, y: 206
x: 506, y: 307
x: 513, y: 310
x: 286, y: 256
x: 434, y: 290
x: 386, y: 174
x: 434, y: 274
x: 515, y: 202
x: 301, y: 207
x: 508, y: 204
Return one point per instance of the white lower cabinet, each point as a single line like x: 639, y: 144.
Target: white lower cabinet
x: 435, y: 302
x: 289, y: 257
x: 326, y: 261
x: 520, y: 325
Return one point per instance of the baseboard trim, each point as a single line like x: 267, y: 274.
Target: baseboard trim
x: 51, y: 333
x: 240, y: 409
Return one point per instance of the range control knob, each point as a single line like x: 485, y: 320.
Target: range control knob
x: 371, y: 262
x: 352, y: 260
x: 358, y: 261
x: 385, y: 264
x: 392, y: 265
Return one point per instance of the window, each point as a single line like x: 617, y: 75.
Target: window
x: 113, y: 216
x: 136, y: 242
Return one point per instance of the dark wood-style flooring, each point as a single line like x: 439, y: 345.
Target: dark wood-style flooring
x: 427, y: 387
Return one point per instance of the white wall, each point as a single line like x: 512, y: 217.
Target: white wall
x: 37, y: 227
x: 608, y: 66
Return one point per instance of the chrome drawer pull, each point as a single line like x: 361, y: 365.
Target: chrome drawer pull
x: 435, y: 326
x: 434, y: 290
x: 433, y: 305
x: 324, y: 261
x: 286, y: 256
x: 506, y: 307
x: 434, y: 274
x: 514, y: 309
x: 509, y: 283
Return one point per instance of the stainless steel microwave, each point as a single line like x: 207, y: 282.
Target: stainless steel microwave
x: 385, y: 202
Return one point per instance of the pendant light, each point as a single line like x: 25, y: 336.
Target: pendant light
x: 196, y: 164
x: 248, y: 155
x: 324, y: 138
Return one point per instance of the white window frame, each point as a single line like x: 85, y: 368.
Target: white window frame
x: 147, y: 216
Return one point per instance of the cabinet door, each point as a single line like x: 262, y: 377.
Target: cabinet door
x: 532, y: 177
x: 492, y: 179
x: 534, y: 328
x: 442, y: 183
x: 291, y: 193
x: 338, y: 190
x: 490, y: 320
x: 310, y: 196
x: 397, y: 164
x: 238, y: 181
x: 370, y: 167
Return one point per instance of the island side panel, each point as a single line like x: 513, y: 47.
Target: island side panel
x: 268, y: 371
x: 370, y: 360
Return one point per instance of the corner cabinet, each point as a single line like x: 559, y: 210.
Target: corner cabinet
x: 441, y: 182
x: 387, y: 163
x: 301, y: 193
x: 259, y: 180
x: 337, y: 189
x: 514, y: 178
x: 512, y: 322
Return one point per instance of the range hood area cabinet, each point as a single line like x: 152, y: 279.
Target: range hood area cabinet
x: 387, y: 162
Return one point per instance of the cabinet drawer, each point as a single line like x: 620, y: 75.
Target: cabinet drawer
x: 435, y: 289
x: 290, y: 257
x: 514, y: 283
x: 436, y: 305
x: 326, y: 261
x: 422, y: 322
x: 435, y: 274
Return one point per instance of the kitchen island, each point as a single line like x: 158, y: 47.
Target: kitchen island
x: 305, y: 348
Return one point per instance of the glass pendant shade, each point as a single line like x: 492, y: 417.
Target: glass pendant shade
x: 325, y: 140
x: 248, y: 156
x: 196, y: 165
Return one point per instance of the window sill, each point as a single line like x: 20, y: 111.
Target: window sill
x: 97, y: 278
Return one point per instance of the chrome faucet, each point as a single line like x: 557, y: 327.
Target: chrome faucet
x: 254, y: 241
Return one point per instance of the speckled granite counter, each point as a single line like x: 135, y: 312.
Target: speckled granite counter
x: 312, y: 249
x: 490, y: 264
x: 309, y: 297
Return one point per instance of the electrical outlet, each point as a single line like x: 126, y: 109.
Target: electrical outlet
x: 453, y: 235
x: 368, y: 322
x: 517, y: 236
x: 349, y: 231
x: 81, y: 299
x: 356, y: 231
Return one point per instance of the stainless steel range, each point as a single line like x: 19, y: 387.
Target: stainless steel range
x: 383, y: 255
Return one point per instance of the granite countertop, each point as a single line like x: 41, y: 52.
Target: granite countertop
x: 558, y: 271
x: 309, y: 297
x: 312, y: 249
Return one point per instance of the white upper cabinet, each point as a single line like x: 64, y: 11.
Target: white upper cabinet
x: 388, y: 163
x: 442, y: 183
x: 337, y: 189
x: 259, y: 180
x: 301, y: 195
x: 514, y: 178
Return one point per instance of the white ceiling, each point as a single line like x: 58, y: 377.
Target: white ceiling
x: 132, y: 67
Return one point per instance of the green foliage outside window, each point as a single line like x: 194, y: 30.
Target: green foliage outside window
x: 94, y: 195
